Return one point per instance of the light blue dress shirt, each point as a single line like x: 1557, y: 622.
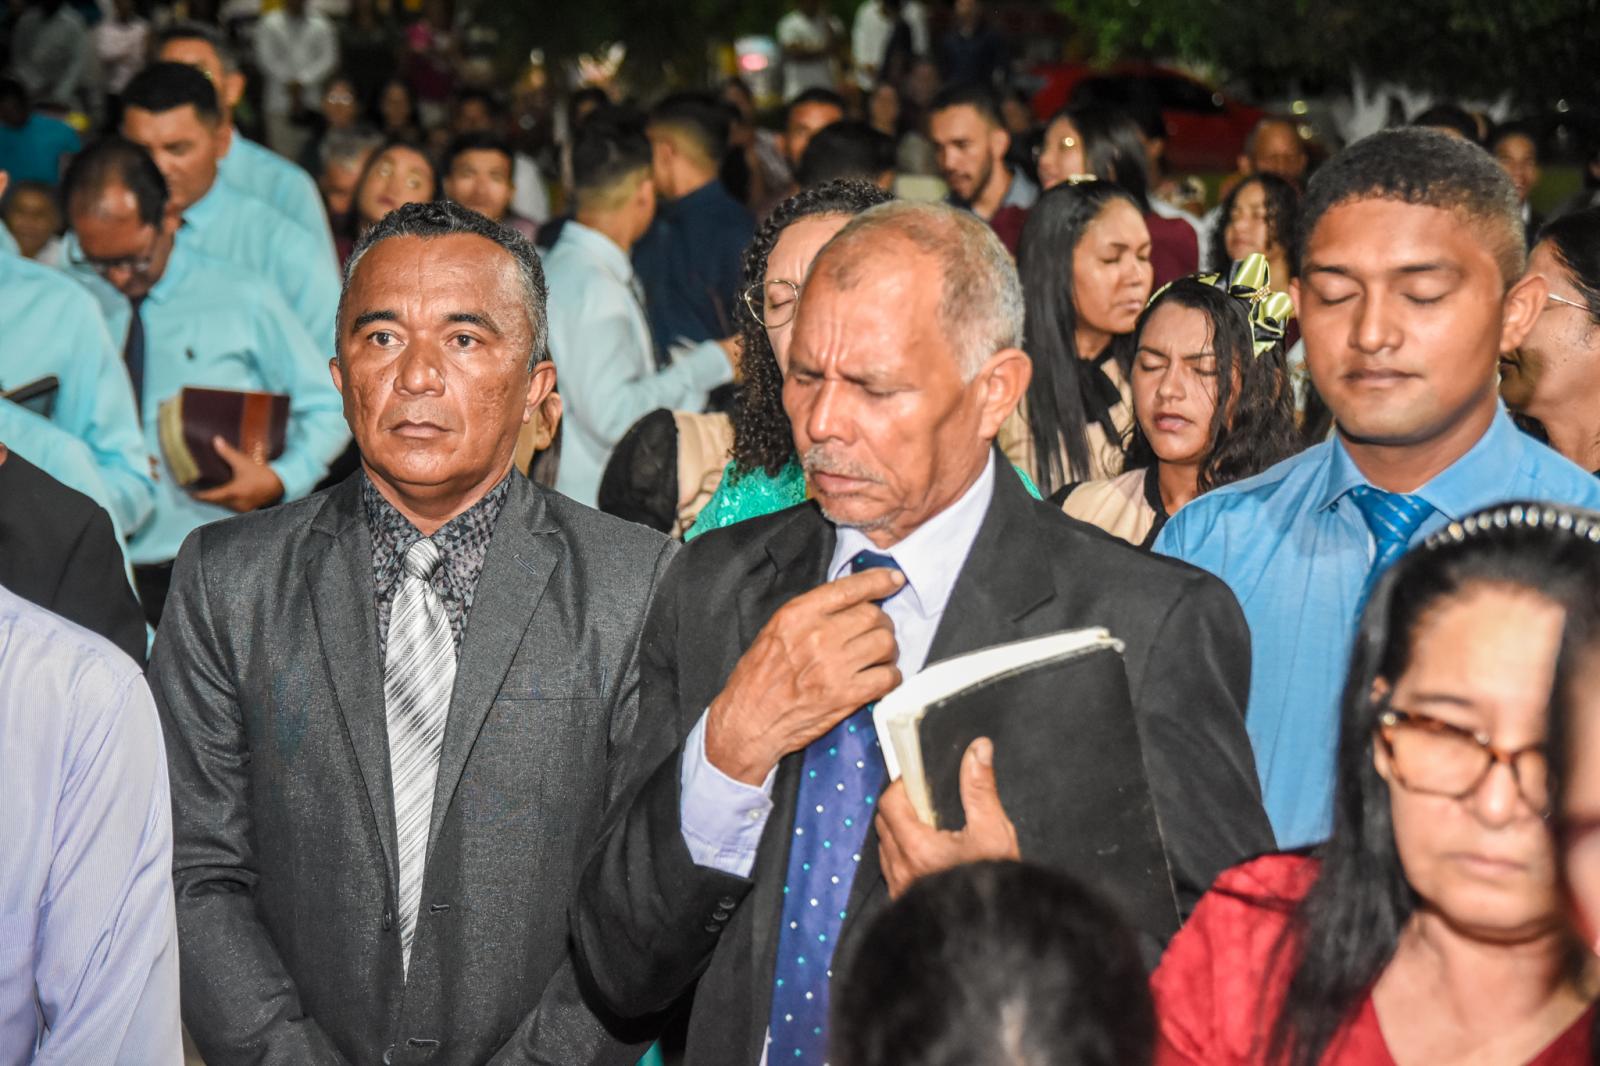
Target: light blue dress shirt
x: 211, y: 324
x: 1296, y: 552
x: 237, y: 228
x: 59, y: 454
x: 722, y: 819
x: 49, y: 325
x: 88, y: 937
x: 259, y: 171
x: 605, y: 359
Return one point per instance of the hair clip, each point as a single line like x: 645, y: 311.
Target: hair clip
x: 1249, y: 280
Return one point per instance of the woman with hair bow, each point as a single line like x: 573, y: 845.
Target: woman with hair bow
x: 1211, y: 401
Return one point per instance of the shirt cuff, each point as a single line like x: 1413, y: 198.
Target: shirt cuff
x: 721, y: 819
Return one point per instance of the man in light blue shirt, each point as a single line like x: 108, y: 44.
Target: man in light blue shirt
x: 1409, y: 291
x: 171, y: 110
x: 247, y: 166
x: 198, y: 322
x: 599, y: 335
x: 50, y: 327
x: 88, y: 938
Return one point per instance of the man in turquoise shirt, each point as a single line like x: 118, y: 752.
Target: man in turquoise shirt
x: 247, y: 166
x: 51, y: 327
x: 1410, y: 290
x: 171, y: 110
x: 200, y: 322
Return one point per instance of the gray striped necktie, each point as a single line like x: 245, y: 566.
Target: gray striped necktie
x: 418, y: 673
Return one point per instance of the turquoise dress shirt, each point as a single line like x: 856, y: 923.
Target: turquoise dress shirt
x: 237, y: 228
x: 260, y: 172
x: 50, y: 326
x: 210, y: 324
x: 1296, y: 552
x: 605, y: 359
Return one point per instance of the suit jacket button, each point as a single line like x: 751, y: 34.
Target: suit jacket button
x: 720, y: 915
x: 388, y: 1055
x: 727, y: 903
x: 388, y: 920
x: 714, y: 927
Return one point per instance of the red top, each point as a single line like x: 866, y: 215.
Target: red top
x: 1219, y: 988
x: 1174, y: 249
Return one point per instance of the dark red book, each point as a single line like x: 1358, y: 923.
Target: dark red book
x: 254, y: 422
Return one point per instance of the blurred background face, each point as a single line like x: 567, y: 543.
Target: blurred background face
x: 886, y: 428
x: 1560, y: 356
x: 184, y: 146
x: 1482, y: 660
x: 339, y: 104
x: 1111, y: 273
x: 1175, y: 383
x: 1520, y: 159
x: 338, y: 182
x: 1247, y: 229
x: 434, y: 401
x: 805, y: 122
x: 883, y: 108
x: 32, y: 218
x: 787, y: 265
x: 481, y: 180
x: 1279, y: 150
x: 399, y: 176
x: 969, y: 149
x: 1061, y: 155
x: 394, y: 105
x: 196, y: 53
x: 1402, y: 355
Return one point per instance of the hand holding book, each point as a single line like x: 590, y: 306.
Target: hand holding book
x: 908, y: 848
x: 253, y: 483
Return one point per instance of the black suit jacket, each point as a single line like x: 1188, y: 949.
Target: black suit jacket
x: 58, y: 550
x: 650, y: 925
x: 267, y: 676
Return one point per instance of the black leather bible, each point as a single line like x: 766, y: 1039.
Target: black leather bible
x: 1068, y: 760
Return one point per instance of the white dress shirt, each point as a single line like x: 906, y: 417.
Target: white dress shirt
x: 303, y: 50
x: 722, y: 819
x: 605, y: 358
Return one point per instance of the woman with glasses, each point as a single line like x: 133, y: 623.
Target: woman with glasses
x: 1429, y: 928
x: 1211, y: 401
x: 1554, y: 377
x: 765, y: 474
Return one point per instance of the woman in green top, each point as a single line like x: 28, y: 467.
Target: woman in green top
x: 765, y: 474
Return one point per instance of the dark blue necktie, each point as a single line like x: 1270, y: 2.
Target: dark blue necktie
x: 840, y: 779
x: 133, y: 353
x: 1393, y: 518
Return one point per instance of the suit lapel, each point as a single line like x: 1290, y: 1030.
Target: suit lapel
x: 522, y: 556
x: 992, y: 596
x: 340, y: 580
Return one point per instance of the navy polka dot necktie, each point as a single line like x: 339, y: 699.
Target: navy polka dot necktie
x: 840, y: 779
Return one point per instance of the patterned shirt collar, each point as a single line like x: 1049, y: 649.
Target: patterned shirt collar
x: 463, y: 542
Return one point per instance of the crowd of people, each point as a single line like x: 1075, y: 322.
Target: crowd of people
x: 453, y: 542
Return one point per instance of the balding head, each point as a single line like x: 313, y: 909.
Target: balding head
x: 903, y: 363
x: 1275, y: 147
x: 980, y: 306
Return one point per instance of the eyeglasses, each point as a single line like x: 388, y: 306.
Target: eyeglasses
x: 1065, y: 144
x: 1439, y: 759
x: 773, y: 303
x: 1553, y: 298
x: 133, y: 264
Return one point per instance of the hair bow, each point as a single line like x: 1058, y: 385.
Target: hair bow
x: 1250, y: 281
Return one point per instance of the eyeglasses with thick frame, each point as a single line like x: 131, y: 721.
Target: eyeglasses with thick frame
x: 772, y: 303
x: 1437, y: 758
x: 134, y: 264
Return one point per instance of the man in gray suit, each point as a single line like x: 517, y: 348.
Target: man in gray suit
x: 395, y: 711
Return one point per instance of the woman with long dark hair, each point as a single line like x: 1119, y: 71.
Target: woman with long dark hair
x: 1430, y: 927
x: 1211, y: 401
x: 398, y: 173
x: 1084, y: 260
x: 765, y: 474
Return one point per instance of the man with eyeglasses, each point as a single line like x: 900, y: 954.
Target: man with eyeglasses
x: 53, y: 329
x: 599, y: 334
x: 191, y: 320
x: 247, y: 166
x: 173, y: 113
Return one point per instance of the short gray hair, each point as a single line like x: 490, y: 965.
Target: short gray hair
x: 981, y: 305
x: 348, y: 146
x: 443, y: 218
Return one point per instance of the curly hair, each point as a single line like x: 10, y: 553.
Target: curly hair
x: 1253, y: 425
x: 1283, y: 209
x: 762, y: 437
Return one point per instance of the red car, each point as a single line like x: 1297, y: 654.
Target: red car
x: 1205, y: 129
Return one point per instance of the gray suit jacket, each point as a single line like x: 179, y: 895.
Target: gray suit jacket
x: 267, y: 676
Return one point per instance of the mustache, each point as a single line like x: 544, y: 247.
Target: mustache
x: 820, y: 459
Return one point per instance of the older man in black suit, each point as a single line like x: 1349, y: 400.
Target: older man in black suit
x: 395, y: 711
x: 751, y: 850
